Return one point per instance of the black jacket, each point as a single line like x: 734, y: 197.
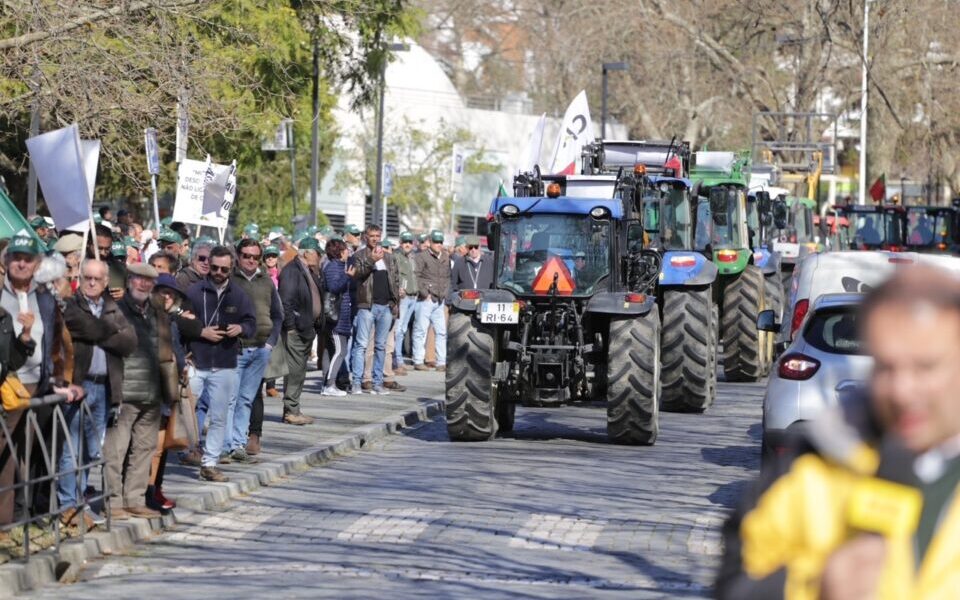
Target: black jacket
x: 111, y: 332
x: 13, y: 352
x: 464, y: 272
x: 296, y: 298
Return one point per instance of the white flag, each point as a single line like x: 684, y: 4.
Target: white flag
x: 531, y: 157
x: 575, y: 132
x: 66, y: 167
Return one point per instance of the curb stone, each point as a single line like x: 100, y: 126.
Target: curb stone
x: 48, y: 567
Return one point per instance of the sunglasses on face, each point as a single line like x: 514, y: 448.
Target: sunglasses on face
x: 219, y: 269
x: 472, y: 247
x: 250, y: 256
x: 202, y: 258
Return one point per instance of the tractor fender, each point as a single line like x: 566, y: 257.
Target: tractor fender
x: 616, y: 303
x: 457, y: 302
x: 768, y: 261
x: 686, y: 268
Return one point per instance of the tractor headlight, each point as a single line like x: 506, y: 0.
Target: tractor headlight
x: 599, y: 212
x: 510, y: 210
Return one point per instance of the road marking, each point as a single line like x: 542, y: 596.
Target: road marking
x: 557, y: 532
x: 390, y: 525
x: 233, y: 525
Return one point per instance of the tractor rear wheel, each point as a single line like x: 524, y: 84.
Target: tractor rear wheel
x: 743, y: 351
x: 689, y: 350
x: 633, y: 379
x: 469, y: 408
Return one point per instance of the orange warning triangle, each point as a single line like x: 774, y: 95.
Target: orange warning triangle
x: 544, y: 279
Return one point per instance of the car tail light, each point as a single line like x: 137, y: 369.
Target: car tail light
x: 684, y: 260
x: 634, y: 297
x: 797, y: 367
x: 727, y: 256
x: 799, y: 312
x: 470, y: 294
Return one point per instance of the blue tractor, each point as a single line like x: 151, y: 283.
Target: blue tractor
x: 572, y: 315
x: 684, y: 288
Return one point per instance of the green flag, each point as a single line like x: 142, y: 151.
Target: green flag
x: 502, y: 191
x: 12, y: 220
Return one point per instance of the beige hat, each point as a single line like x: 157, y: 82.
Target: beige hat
x: 68, y: 244
x: 142, y: 270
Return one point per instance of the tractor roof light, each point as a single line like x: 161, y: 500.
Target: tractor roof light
x: 553, y: 190
x: 510, y: 210
x: 640, y: 169
x: 599, y: 212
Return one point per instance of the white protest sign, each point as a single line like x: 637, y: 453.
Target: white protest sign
x: 201, y: 193
x: 66, y: 168
x: 575, y: 132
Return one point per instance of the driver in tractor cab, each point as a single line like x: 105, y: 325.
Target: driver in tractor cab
x: 583, y: 276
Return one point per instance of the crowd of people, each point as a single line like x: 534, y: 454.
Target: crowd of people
x: 128, y: 324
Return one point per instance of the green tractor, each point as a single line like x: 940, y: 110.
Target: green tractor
x: 799, y: 237
x: 720, y: 182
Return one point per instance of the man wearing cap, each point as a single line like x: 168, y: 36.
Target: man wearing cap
x: 424, y: 242
x: 227, y: 316
x: 133, y: 427
x: 301, y: 295
x: 70, y: 246
x: 433, y: 281
x: 256, y: 348
x: 199, y: 264
x: 377, y: 283
x: 351, y: 235
x: 171, y: 243
x: 102, y: 337
x: 460, y: 246
x: 41, y: 226
x: 406, y: 268
x: 475, y: 270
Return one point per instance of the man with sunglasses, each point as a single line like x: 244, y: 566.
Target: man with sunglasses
x: 475, y: 270
x: 255, y: 354
x: 199, y: 264
x: 227, y: 315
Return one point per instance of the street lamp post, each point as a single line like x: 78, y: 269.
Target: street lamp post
x: 607, y: 67
x: 379, y: 201
x: 863, y: 105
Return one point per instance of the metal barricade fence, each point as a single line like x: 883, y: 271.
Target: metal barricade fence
x: 34, y: 440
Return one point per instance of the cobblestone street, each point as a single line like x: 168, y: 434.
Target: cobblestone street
x: 552, y: 511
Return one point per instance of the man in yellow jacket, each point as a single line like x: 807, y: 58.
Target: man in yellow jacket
x: 868, y: 507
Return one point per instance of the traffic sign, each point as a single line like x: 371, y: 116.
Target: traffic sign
x: 153, y: 152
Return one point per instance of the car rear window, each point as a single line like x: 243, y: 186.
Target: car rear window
x: 834, y: 330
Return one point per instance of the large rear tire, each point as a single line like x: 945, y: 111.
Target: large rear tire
x: 689, y: 350
x: 469, y: 408
x: 633, y: 379
x: 743, y: 346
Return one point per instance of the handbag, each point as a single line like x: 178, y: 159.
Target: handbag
x: 331, y: 303
x: 14, y: 395
x: 181, y: 431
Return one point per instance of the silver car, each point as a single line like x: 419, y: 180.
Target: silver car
x: 826, y: 354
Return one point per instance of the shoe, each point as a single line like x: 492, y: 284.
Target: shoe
x: 379, y: 390
x: 355, y: 389
x: 273, y: 392
x: 400, y: 371
x: 430, y: 364
x: 142, y: 512
x: 162, y: 501
x: 96, y: 517
x: 117, y: 513
x: 72, y: 516
x: 393, y: 385
x: 213, y: 474
x: 253, y: 444
x: 292, y: 419
x: 366, y: 386
x: 441, y: 368
x: 225, y: 458
x: 331, y: 390
x: 240, y: 456
x: 421, y: 367
x: 191, y: 458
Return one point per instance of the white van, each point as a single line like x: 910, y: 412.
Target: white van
x: 849, y: 271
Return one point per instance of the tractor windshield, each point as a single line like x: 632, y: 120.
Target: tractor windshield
x: 878, y: 230
x: 728, y: 215
x: 925, y: 229
x: 676, y: 220
x: 573, y: 251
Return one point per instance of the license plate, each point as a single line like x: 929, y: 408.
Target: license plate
x: 500, y: 312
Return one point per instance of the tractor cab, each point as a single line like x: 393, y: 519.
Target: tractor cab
x: 930, y: 229
x: 877, y: 227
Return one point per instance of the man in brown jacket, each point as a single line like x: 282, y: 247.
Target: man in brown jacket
x: 102, y: 338
x: 433, y: 282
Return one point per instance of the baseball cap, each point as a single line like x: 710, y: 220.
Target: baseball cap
x: 252, y: 229
x: 326, y: 231
x: 271, y: 250
x: 436, y: 236
x: 118, y: 248
x: 38, y: 222
x: 310, y: 243
x: 131, y: 242
x: 23, y: 243
x: 166, y: 221
x: 422, y: 237
x: 471, y: 240
x: 351, y: 229
x: 170, y: 236
x: 386, y: 244
x: 460, y: 241
x: 406, y: 236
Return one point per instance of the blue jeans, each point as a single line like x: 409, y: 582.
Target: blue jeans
x: 429, y: 313
x: 379, y: 319
x: 251, y: 365
x: 94, y: 425
x: 407, y: 305
x: 214, y: 390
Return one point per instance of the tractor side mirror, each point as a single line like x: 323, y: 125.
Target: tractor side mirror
x: 767, y: 321
x: 780, y: 215
x: 635, y: 237
x: 493, y: 237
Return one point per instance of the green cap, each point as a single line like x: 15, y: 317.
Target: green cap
x: 23, y: 243
x: 327, y: 231
x: 118, y: 248
x: 351, y: 229
x: 271, y: 250
x: 310, y: 243
x: 436, y: 236
x: 312, y: 230
x: 170, y: 236
x: 406, y: 236
x: 97, y: 219
x: 335, y: 236
x: 129, y: 242
x: 460, y: 241
x: 278, y: 229
x: 166, y: 221
x: 204, y: 240
x: 38, y: 222
x: 422, y: 237
x: 252, y: 230
x: 386, y: 244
